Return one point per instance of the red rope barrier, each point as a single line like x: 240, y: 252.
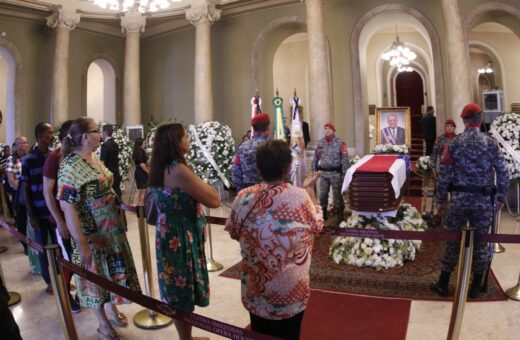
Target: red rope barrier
x: 394, y: 234
x: 199, y: 321
x: 129, y: 208
x: 21, y: 237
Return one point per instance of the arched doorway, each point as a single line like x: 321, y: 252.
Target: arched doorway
x: 101, y: 91
x: 290, y: 71
x: 7, y: 95
x: 409, y: 92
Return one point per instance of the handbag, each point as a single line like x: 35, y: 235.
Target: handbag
x: 151, y: 211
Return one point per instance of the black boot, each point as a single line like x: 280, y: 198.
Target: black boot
x: 324, y: 214
x: 441, y: 287
x: 476, y: 285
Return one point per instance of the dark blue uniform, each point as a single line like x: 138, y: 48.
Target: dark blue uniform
x: 472, y: 162
x: 244, y: 173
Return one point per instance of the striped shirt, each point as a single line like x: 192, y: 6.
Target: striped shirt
x: 32, y: 175
x: 14, y: 165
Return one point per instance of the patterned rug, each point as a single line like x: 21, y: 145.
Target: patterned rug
x: 411, y: 281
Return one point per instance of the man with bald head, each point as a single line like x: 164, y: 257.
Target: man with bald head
x: 392, y: 134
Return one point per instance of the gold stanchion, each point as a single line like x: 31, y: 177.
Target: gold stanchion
x: 3, y: 203
x: 514, y: 292
x: 61, y: 293
x: 14, y: 297
x: 212, y: 265
x: 461, y: 291
x: 497, y: 247
x: 147, y: 319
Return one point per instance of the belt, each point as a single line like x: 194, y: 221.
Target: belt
x: 487, y: 190
x: 337, y: 169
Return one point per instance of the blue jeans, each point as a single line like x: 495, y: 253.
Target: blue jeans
x: 41, y: 236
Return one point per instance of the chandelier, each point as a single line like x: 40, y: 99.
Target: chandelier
x: 142, y: 5
x: 486, y: 69
x: 399, y: 55
x: 404, y: 69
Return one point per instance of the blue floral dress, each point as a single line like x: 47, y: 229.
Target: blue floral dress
x: 181, y: 261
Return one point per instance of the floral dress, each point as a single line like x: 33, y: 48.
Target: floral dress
x: 90, y: 191
x: 181, y: 261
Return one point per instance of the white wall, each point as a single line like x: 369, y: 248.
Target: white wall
x: 101, y: 91
x: 290, y: 72
x: 3, y: 99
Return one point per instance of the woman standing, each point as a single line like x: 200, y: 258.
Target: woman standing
x: 141, y: 169
x: 275, y: 223
x: 440, y: 143
x: 92, y: 215
x: 178, y: 193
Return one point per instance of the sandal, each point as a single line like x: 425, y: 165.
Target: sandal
x: 119, y: 319
x: 113, y: 335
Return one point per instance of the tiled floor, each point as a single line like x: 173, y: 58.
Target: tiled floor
x: 38, y: 319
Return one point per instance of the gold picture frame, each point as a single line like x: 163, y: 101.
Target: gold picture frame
x: 396, y: 136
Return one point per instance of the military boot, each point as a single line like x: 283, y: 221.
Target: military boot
x: 476, y: 285
x: 441, y: 287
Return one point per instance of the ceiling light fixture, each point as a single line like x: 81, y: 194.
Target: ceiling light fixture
x: 405, y: 69
x: 486, y: 69
x: 399, y: 55
x: 143, y: 5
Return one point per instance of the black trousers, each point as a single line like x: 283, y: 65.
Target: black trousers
x: 429, y: 146
x: 286, y: 328
x: 20, y: 216
x: 9, y: 328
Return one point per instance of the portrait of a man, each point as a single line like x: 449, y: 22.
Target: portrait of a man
x: 392, y: 126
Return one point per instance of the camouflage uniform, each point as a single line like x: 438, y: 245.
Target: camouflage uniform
x: 331, y: 158
x: 472, y: 156
x: 244, y: 173
x: 437, y: 151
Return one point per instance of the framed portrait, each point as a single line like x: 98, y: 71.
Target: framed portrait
x: 393, y: 125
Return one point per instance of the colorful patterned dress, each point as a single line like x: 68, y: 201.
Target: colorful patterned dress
x: 81, y: 184
x: 181, y: 261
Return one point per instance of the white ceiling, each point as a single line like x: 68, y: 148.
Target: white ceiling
x: 89, y: 7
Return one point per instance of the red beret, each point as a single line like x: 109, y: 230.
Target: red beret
x: 469, y: 110
x: 451, y: 122
x: 260, y: 118
x: 330, y: 126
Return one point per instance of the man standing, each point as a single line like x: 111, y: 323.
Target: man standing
x: 470, y: 162
x: 32, y: 186
x: 110, y: 157
x: 331, y: 158
x: 429, y: 130
x: 392, y: 134
x: 244, y: 172
x: 13, y: 170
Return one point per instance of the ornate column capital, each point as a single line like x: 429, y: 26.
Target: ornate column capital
x: 133, y: 21
x: 63, y: 19
x: 204, y: 14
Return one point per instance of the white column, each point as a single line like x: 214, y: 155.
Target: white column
x: 458, y: 61
x: 63, y: 22
x: 132, y: 23
x: 320, y: 90
x: 202, y: 17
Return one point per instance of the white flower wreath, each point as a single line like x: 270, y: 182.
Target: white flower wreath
x: 218, y: 140
x: 424, y: 163
x: 508, y: 126
x: 377, y: 253
x: 389, y: 148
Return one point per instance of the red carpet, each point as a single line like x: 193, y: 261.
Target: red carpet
x: 344, y: 316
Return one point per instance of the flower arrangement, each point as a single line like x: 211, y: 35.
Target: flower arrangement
x: 125, y: 151
x: 378, y: 253
x: 389, y: 148
x: 508, y: 126
x: 424, y: 163
x: 353, y: 160
x: 218, y: 141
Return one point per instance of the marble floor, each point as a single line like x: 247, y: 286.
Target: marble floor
x: 38, y: 319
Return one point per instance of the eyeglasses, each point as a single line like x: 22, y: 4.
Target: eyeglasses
x: 93, y: 131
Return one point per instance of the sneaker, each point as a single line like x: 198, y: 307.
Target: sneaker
x: 74, y: 306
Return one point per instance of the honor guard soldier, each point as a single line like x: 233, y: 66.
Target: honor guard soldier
x: 244, y: 173
x: 331, y: 158
x: 469, y: 165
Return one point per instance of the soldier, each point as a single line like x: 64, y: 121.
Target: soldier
x: 467, y: 173
x: 440, y: 143
x: 244, y: 173
x: 331, y: 158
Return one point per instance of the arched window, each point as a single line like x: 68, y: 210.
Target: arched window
x: 101, y: 91
x: 7, y: 95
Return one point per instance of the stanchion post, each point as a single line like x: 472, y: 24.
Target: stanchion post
x: 461, y: 291
x: 514, y: 292
x: 497, y: 247
x: 212, y: 265
x: 147, y: 319
x: 61, y: 293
